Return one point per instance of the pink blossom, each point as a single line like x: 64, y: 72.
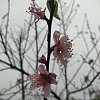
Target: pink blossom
x: 42, y: 59
x: 62, y: 48
x: 43, y: 78
x: 36, y: 11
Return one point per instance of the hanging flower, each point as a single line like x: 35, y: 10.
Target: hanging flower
x: 62, y: 48
x: 43, y: 78
x: 36, y: 11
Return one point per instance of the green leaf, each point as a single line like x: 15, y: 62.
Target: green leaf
x: 56, y: 9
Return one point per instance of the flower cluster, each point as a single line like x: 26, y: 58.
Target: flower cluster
x: 62, y: 51
x: 42, y: 78
x: 62, y: 48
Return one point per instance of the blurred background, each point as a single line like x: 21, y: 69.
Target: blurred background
x: 79, y: 20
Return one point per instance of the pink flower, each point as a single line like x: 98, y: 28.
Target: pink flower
x: 62, y: 48
x: 36, y: 11
x: 42, y: 59
x: 43, y: 78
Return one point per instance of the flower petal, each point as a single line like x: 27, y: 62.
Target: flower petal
x: 42, y: 70
x: 52, y: 77
x: 66, y: 54
x: 47, y: 90
x: 33, y: 77
x: 55, y: 52
x: 61, y: 58
x: 64, y: 39
x: 33, y: 86
x: 56, y: 36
